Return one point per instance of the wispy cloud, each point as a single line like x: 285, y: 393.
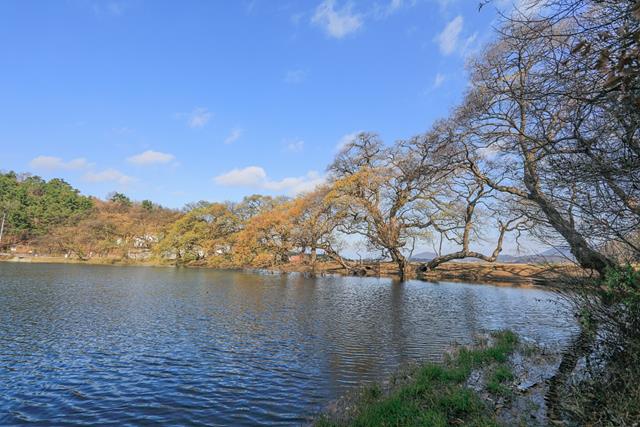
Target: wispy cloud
x: 346, y: 139
x: 108, y: 175
x: 448, y: 39
x: 151, y: 157
x: 112, y: 8
x: 395, y: 5
x: 256, y: 177
x: 295, y: 146
x: 234, y: 135
x: 384, y: 10
x: 56, y: 163
x: 438, y: 80
x: 198, y: 118
x: 470, y: 45
x: 444, y: 4
x: 337, y: 22
x: 295, y: 76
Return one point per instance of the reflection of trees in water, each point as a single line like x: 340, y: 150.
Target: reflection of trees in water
x: 342, y: 331
x: 469, y: 311
x: 374, y: 327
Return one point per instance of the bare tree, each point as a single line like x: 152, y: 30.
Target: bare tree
x: 516, y: 112
x: 464, y: 227
x: 382, y: 191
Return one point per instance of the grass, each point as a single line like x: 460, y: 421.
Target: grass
x: 436, y: 394
x: 495, y: 384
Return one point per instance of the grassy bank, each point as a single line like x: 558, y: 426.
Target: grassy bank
x: 439, y: 394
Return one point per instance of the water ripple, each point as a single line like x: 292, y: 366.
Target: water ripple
x: 124, y: 346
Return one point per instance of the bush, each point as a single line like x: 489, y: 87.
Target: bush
x: 607, y: 390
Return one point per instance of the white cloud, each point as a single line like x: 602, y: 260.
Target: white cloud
x: 295, y: 76
x: 489, y: 152
x: 445, y: 3
x: 395, y: 5
x: 112, y: 8
x: 56, y: 163
x: 108, y: 175
x: 199, y: 117
x: 295, y: 146
x: 438, y: 80
x: 347, y: 138
x: 448, y: 38
x: 470, y: 45
x: 256, y: 177
x: 381, y: 11
x: 235, y: 135
x: 151, y: 157
x: 251, y: 176
x: 296, y: 185
x: 336, y: 23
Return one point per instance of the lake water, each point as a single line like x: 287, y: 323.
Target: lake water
x: 91, y: 345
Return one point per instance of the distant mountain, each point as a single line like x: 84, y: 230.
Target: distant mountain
x: 424, y: 256
x: 562, y: 251
x: 553, y: 255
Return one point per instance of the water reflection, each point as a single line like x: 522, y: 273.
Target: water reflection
x: 112, y: 345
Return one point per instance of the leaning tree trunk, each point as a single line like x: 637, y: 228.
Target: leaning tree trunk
x: 586, y: 257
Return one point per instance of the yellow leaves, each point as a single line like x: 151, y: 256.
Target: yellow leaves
x: 357, y: 187
x: 201, y: 230
x: 266, y: 233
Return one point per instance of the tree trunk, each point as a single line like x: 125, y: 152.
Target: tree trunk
x: 401, y: 261
x: 586, y: 257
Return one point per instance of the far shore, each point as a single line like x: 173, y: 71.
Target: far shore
x: 546, y: 275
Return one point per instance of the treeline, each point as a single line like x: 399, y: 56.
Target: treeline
x: 53, y: 218
x: 33, y: 206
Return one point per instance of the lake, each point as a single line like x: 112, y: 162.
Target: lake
x: 102, y: 345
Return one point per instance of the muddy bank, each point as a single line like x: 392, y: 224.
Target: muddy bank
x: 469, y: 272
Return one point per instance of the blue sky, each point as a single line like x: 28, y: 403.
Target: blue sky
x: 182, y: 101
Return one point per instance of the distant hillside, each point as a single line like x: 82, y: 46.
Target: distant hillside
x: 552, y: 255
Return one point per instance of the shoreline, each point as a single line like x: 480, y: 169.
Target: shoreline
x: 498, y: 274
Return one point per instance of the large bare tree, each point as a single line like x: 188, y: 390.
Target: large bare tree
x: 384, y: 192
x: 519, y: 130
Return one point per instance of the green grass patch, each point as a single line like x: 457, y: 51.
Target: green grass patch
x: 495, y: 382
x: 435, y: 394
